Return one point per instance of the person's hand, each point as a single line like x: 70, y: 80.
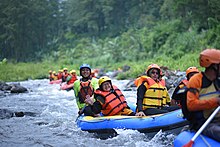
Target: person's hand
x: 80, y: 112
x: 87, y: 96
x: 97, y: 115
x: 141, y: 113
x: 89, y: 100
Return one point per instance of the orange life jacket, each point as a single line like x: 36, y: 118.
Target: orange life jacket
x: 72, y: 80
x: 86, y: 89
x: 59, y: 75
x: 142, y: 79
x: 114, y: 101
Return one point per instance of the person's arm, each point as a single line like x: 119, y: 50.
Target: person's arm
x: 194, y: 104
x: 76, y: 87
x: 140, y: 96
x: 193, y: 101
x: 175, y: 95
x: 68, y: 78
x: 97, y: 105
x: 168, y: 101
x: 63, y: 78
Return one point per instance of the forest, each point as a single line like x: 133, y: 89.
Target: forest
x: 104, y: 33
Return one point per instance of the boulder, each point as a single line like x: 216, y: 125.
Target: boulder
x: 18, y: 89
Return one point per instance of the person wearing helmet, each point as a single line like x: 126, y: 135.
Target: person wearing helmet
x: 110, y: 100
x: 152, y: 95
x: 84, y: 90
x: 60, y: 74
x: 180, y: 91
x: 65, y: 74
x: 50, y: 75
x: 203, y: 95
x: 54, y: 75
x: 71, y: 78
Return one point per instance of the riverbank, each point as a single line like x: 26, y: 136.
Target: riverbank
x: 23, y: 71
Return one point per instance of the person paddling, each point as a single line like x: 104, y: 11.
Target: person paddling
x: 203, y: 95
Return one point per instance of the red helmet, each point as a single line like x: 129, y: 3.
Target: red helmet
x: 209, y: 56
x: 191, y: 69
x: 151, y: 66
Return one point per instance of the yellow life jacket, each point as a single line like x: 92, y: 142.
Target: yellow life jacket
x: 54, y: 77
x: 156, y: 94
x: 207, y: 93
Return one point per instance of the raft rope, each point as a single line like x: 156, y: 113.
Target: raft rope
x: 205, y: 141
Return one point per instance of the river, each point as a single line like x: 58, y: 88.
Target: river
x: 50, y: 121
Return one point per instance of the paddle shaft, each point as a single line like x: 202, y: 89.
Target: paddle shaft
x: 206, y: 123
x: 80, y: 112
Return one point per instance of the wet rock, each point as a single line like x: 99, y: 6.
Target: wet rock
x: 125, y: 68
x: 2, y: 93
x: 3, y: 86
x: 130, y: 86
x: 18, y: 89
x: 13, y: 88
x: 6, y: 88
x: 169, y: 83
x: 19, y: 114
x: 5, y: 114
x: 101, y: 72
x: 170, y: 91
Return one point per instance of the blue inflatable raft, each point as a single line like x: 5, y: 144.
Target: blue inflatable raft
x: 202, y: 140
x: 172, y: 121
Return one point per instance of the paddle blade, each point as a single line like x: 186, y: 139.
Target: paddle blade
x: 189, y: 144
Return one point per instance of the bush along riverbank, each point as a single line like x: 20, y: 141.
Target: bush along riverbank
x: 24, y: 71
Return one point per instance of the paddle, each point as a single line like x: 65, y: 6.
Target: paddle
x: 190, y: 143
x: 80, y: 112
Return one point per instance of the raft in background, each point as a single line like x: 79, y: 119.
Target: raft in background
x: 65, y: 86
x: 55, y: 81
x: 171, y: 122
x: 202, y: 140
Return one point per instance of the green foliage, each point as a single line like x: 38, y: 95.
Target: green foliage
x: 21, y: 71
x: 26, y: 71
x: 4, y: 61
x: 104, y: 33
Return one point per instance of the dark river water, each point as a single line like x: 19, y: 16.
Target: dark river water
x: 50, y: 121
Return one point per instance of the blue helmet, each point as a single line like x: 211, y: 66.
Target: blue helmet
x: 84, y: 66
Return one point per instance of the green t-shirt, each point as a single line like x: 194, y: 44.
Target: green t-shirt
x: 76, y: 87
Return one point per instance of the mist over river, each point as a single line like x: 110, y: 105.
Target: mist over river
x: 49, y: 120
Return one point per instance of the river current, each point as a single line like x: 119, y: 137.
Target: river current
x: 50, y: 121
